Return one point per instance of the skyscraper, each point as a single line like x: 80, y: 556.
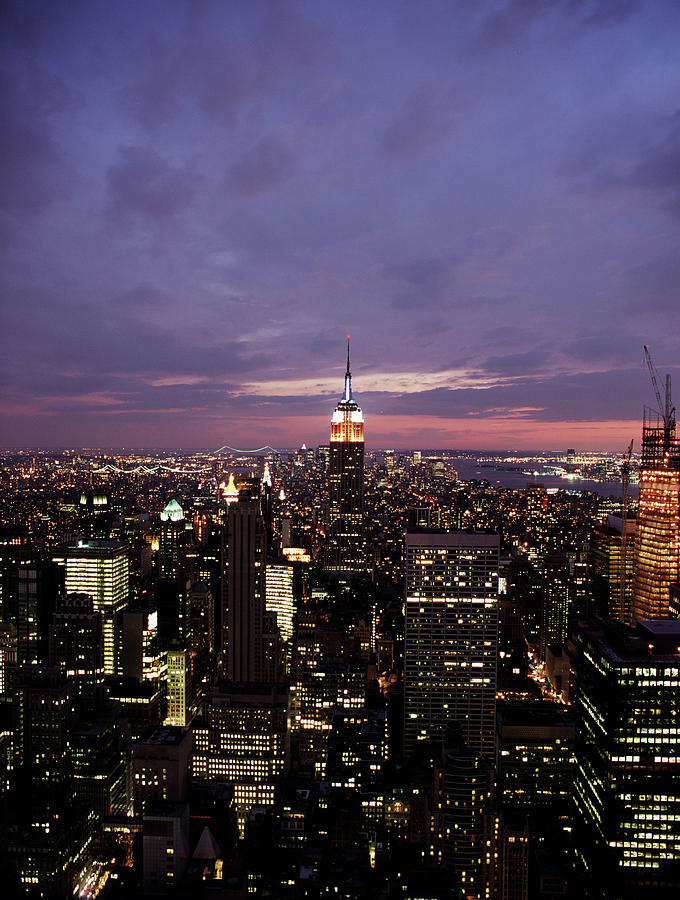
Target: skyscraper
x: 99, y: 569
x: 244, y: 612
x: 345, y: 551
x: 451, y: 637
x: 627, y: 789
x: 77, y: 647
x: 657, y: 547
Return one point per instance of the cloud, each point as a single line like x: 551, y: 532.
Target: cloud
x: 660, y: 169
x: 143, y: 183
x: 266, y: 48
x: 421, y: 125
x: 514, y: 18
x: 653, y: 287
x: 264, y: 166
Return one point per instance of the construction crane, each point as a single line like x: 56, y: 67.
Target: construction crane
x: 625, y: 479
x: 666, y: 411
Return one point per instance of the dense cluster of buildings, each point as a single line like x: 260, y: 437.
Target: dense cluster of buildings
x: 331, y: 673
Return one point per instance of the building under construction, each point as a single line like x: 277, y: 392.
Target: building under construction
x: 657, y: 548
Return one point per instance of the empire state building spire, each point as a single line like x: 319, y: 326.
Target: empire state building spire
x: 348, y: 378
x: 345, y: 551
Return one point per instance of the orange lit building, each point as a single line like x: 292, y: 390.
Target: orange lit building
x: 345, y: 550
x: 657, y: 548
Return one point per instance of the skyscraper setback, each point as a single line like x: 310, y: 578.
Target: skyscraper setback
x: 345, y: 551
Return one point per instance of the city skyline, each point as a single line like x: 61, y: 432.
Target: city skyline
x: 199, y: 202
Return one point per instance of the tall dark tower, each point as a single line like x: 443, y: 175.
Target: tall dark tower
x: 345, y: 551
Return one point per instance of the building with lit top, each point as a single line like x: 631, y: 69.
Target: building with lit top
x: 345, y: 548
x: 627, y: 784
x: 101, y: 570
x: 171, y: 540
x: 657, y: 548
x: 451, y: 638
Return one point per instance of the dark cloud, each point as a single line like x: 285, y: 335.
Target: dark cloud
x: 425, y: 280
x: 143, y: 183
x: 508, y: 21
x: 33, y: 167
x: 272, y: 45
x: 519, y: 364
x: 262, y: 167
x: 421, y: 125
x: 654, y: 287
x: 660, y: 170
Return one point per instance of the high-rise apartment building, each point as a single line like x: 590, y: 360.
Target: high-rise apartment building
x: 556, y: 589
x: 101, y: 570
x: 345, y: 550
x: 451, y: 637
x: 627, y: 776
x: 657, y: 548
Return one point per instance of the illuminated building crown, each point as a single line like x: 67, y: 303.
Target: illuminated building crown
x: 347, y: 423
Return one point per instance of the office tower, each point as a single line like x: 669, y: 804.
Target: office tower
x: 140, y: 654
x: 605, y: 563
x: 535, y: 763
x: 280, y: 600
x: 657, y: 547
x: 77, y: 647
x: 514, y: 874
x: 94, y: 515
x: 242, y: 738
x: 42, y: 711
x: 627, y: 777
x: 357, y: 753
x: 345, y: 550
x: 171, y: 541
x: 537, y: 519
x: 8, y: 655
x: 323, y: 452
x: 178, y: 686
x: 243, y: 613
x: 49, y: 836
x: 39, y: 585
x: 451, y: 637
x: 100, y: 764
x: 201, y: 643
x: 15, y: 548
x: 462, y: 827
x: 100, y: 569
x: 556, y: 585
x: 161, y: 766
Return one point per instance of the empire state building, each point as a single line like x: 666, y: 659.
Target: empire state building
x: 345, y: 550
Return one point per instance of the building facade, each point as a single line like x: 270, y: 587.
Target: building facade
x: 627, y: 781
x: 100, y: 569
x: 657, y: 547
x: 451, y: 637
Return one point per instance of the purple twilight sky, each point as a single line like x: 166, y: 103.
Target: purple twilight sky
x: 200, y: 199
